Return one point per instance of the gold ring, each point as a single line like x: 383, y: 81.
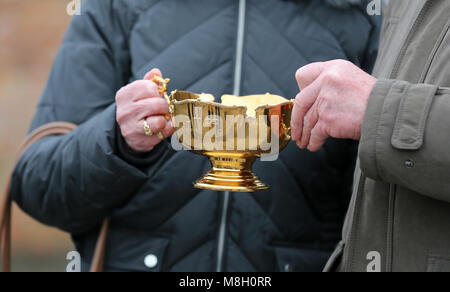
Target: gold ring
x: 147, y: 129
x: 161, y: 136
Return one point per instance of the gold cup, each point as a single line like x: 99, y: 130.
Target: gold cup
x: 231, y: 139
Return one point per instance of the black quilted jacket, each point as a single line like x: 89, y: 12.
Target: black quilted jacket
x: 159, y: 221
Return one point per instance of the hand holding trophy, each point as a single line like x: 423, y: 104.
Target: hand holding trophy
x: 231, y: 134
x: 141, y: 113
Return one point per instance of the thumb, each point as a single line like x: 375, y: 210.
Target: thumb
x: 154, y: 72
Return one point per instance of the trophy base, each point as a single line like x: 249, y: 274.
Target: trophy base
x: 231, y: 173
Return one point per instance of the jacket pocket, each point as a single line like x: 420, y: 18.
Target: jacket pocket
x: 335, y: 259
x: 438, y: 264
x: 132, y: 251
x: 301, y: 260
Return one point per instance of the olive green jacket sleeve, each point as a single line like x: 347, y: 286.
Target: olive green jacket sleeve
x: 406, y: 137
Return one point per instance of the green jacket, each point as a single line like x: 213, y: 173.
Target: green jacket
x: 399, y: 217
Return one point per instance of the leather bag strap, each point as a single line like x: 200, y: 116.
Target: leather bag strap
x: 51, y: 129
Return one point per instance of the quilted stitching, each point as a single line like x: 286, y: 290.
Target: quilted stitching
x: 262, y: 73
x: 214, y: 73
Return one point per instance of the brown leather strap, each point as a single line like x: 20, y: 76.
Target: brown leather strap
x: 57, y: 128
x: 100, y: 249
x: 5, y: 235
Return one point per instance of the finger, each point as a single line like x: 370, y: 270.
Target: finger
x: 297, y: 119
x: 137, y: 90
x: 168, y: 129
x: 306, y: 75
x: 152, y: 91
x: 318, y: 138
x: 154, y: 72
x: 166, y: 132
x: 150, y: 107
x: 303, y: 102
x: 311, y: 119
x: 156, y: 124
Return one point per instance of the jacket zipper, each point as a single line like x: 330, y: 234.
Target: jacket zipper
x: 390, y: 228
x: 435, y: 52
x: 353, y: 236
x: 393, y: 188
x: 416, y: 24
x: 237, y: 92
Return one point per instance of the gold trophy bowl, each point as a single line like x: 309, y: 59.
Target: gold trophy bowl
x: 231, y: 136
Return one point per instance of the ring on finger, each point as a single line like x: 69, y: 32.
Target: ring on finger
x: 147, y: 129
x: 161, y: 136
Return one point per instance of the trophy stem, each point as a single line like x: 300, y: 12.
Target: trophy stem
x: 231, y: 173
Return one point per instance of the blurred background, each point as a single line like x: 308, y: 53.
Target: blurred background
x: 30, y: 34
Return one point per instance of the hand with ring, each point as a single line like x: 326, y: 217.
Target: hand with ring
x: 141, y: 114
